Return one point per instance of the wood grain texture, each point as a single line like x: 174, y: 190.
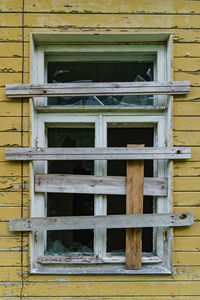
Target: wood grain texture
x: 99, y: 153
x: 109, y: 221
x: 113, y: 6
x: 98, y: 89
x: 134, y: 205
x: 88, y: 184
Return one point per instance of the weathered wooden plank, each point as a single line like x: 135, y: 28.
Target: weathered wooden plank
x: 125, y: 21
x: 187, y: 138
x: 115, y: 289
x: 8, y: 108
x: 97, y: 88
x: 195, y: 210
x: 186, y: 169
x: 183, y: 198
x: 88, y: 184
x: 160, y: 109
x: 7, y: 212
x: 187, y: 184
x: 97, y: 153
x: 13, y: 124
x: 186, y: 64
x: 187, y: 123
x: 113, y: 7
x: 111, y: 221
x: 187, y: 108
x: 186, y: 50
x: 90, y: 259
x: 187, y: 243
x: 134, y: 205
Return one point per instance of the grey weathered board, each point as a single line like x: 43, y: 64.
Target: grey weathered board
x: 97, y: 88
x: 88, y: 184
x: 97, y: 153
x: 111, y: 221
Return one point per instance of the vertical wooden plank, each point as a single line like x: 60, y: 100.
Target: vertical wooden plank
x: 134, y: 205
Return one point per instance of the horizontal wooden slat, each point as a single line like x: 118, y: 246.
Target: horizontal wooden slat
x: 87, y: 184
x: 111, y: 221
x: 97, y: 153
x: 97, y: 88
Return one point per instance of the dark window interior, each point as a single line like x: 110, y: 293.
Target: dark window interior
x: 74, y: 242
x: 110, y: 71
x: 67, y: 242
x: 121, y: 137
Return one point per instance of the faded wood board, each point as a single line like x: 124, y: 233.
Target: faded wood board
x: 97, y: 153
x: 98, y: 89
x: 88, y: 184
x: 134, y: 205
x: 111, y: 221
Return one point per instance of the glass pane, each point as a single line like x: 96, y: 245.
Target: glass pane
x: 100, y: 72
x: 70, y: 242
x: 121, y: 137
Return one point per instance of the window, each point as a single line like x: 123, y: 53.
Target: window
x: 98, y: 121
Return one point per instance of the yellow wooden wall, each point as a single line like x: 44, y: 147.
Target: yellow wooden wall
x: 17, y: 19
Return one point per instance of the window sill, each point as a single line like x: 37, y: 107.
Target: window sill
x: 110, y: 268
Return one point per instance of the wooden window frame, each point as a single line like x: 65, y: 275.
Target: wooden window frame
x: 160, y: 118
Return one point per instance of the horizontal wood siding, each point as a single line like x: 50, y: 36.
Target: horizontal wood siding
x: 17, y: 21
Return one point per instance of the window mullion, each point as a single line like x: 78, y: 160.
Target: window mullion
x: 100, y: 201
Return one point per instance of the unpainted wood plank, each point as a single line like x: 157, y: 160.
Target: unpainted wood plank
x: 110, y: 221
x: 99, y: 88
x: 97, y: 153
x: 134, y: 205
x: 87, y: 184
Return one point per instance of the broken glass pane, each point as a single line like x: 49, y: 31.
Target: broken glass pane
x: 70, y: 242
x: 60, y: 72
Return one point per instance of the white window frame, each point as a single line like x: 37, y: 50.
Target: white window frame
x: 160, y: 119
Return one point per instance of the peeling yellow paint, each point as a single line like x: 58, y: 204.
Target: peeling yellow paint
x: 179, y: 18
